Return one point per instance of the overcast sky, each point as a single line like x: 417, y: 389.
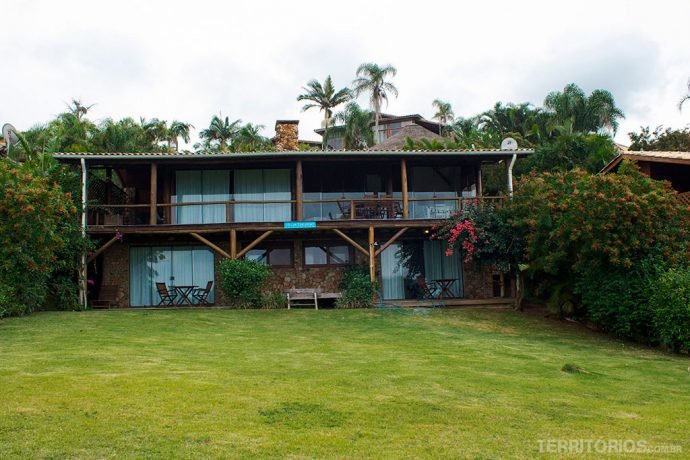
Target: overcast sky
x: 189, y: 60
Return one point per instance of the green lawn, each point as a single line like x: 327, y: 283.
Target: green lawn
x: 267, y: 383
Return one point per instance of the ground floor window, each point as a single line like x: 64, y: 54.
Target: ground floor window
x: 172, y: 265
x: 327, y: 254
x: 409, y: 266
x: 275, y: 256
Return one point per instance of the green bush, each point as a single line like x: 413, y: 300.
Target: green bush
x: 671, y: 306
x: 274, y: 301
x: 357, y: 288
x: 241, y: 282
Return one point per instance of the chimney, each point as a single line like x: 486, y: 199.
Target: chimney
x: 287, y: 135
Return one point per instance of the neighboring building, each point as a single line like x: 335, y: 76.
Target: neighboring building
x: 170, y: 218
x: 671, y: 166
x: 392, y: 126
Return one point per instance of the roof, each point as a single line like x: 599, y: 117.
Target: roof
x: 316, y: 154
x: 414, y: 132
x: 652, y: 156
x: 388, y: 118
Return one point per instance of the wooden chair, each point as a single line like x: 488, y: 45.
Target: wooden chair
x: 108, y: 297
x: 201, y: 294
x: 167, y: 298
x: 426, y: 290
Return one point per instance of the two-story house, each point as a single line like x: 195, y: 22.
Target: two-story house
x: 170, y: 218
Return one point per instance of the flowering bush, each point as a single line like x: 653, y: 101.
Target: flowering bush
x: 37, y: 222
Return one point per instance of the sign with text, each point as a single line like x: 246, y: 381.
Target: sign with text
x: 299, y: 225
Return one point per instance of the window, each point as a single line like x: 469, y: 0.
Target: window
x: 276, y: 256
x: 327, y: 254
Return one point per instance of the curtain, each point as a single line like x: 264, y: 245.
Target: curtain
x: 392, y: 273
x: 277, y: 187
x: 188, y: 190
x: 215, y: 187
x: 249, y: 187
x: 179, y: 265
x: 439, y: 266
x: 140, y: 276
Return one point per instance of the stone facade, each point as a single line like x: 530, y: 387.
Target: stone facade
x: 479, y: 282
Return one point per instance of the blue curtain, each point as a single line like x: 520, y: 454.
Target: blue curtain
x: 439, y: 266
x: 261, y: 185
x: 215, y: 187
x: 188, y: 190
x: 392, y: 273
x: 180, y: 265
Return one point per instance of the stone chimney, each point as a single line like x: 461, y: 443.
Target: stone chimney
x: 287, y: 135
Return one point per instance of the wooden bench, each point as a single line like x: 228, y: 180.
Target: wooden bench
x: 309, y: 297
x: 108, y: 297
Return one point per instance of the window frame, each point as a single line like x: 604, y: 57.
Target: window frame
x: 270, y: 247
x: 327, y: 245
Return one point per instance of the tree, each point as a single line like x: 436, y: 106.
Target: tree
x: 356, y: 127
x: 676, y: 140
x: 325, y: 98
x: 249, y: 139
x: 371, y: 78
x: 684, y: 98
x: 444, y: 113
x: 78, y: 109
x: 178, y: 129
x: 587, y: 114
x: 220, y: 131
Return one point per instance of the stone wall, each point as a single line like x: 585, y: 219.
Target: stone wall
x: 287, y: 135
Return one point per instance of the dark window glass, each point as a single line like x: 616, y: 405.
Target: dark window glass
x: 315, y: 255
x: 275, y: 257
x: 339, y: 255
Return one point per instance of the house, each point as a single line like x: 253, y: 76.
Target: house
x: 172, y: 217
x: 393, y: 126
x: 671, y: 166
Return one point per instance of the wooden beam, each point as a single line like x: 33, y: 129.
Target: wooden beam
x: 254, y: 243
x: 480, y: 187
x: 351, y: 241
x: 100, y: 250
x: 211, y: 245
x: 391, y: 241
x: 233, y: 244
x: 372, y: 256
x: 403, y: 172
x: 299, y: 191
x: 153, y: 195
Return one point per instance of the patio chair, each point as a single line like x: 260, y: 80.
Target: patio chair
x: 201, y: 294
x: 426, y: 290
x: 167, y: 298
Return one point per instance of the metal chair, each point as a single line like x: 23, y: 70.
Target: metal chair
x: 201, y: 294
x: 167, y: 298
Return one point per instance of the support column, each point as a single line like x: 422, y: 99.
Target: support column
x: 299, y: 191
x: 372, y: 255
x: 153, y: 220
x: 83, y: 286
x: 480, y: 191
x: 403, y: 172
x: 233, y: 244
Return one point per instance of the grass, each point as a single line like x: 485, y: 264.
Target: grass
x: 222, y: 383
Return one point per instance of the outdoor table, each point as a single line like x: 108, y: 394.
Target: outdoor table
x: 184, y: 294
x: 445, y: 286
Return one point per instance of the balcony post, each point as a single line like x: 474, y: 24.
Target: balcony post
x: 153, y: 195
x: 403, y: 172
x: 233, y: 244
x: 480, y: 191
x: 299, y: 191
x: 372, y: 255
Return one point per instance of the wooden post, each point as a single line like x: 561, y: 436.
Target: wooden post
x: 480, y: 192
x: 233, y: 244
x: 102, y: 249
x: 153, y: 213
x: 211, y: 245
x: 403, y: 172
x: 351, y: 241
x: 254, y: 243
x: 299, y: 191
x: 372, y: 256
x: 391, y: 241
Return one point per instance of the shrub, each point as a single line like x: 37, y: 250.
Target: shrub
x: 357, y: 288
x: 274, y: 301
x: 671, y: 306
x: 241, y: 281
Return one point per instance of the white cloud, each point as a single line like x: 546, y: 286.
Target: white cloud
x: 188, y: 60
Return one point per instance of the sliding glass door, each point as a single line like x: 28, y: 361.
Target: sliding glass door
x: 201, y: 187
x: 262, y: 185
x: 172, y: 265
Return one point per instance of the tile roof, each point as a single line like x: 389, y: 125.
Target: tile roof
x: 648, y: 155
x: 414, y: 132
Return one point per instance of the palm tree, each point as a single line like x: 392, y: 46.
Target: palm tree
x: 248, y: 138
x: 326, y: 98
x: 587, y: 114
x: 371, y: 78
x: 685, y: 98
x: 178, y: 129
x: 356, y: 127
x: 444, y: 114
x: 78, y: 109
x: 220, y: 130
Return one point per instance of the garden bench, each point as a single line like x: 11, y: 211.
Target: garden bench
x: 309, y: 297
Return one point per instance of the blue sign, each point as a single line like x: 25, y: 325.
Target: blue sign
x: 299, y: 225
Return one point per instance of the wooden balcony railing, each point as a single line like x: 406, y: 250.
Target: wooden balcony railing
x: 374, y: 208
